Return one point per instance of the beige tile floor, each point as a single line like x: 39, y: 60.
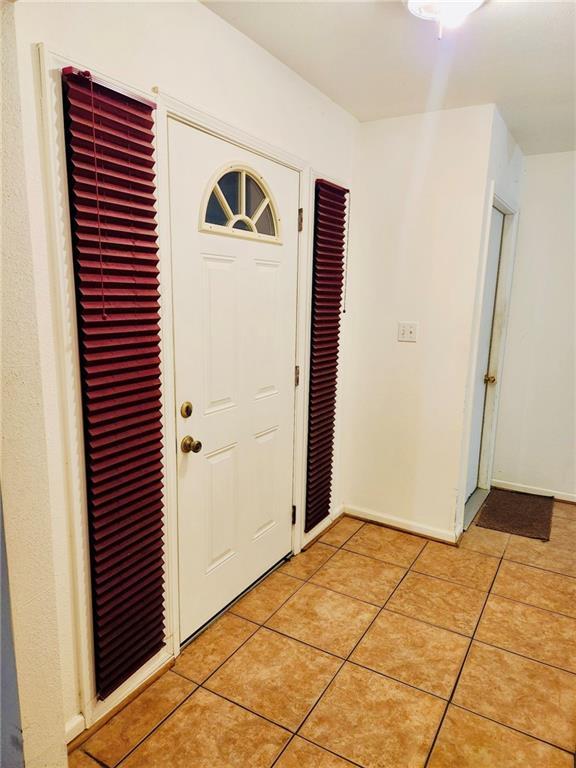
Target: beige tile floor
x: 378, y: 649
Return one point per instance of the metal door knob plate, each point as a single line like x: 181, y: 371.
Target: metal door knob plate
x: 189, y: 445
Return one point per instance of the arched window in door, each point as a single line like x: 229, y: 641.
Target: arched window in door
x: 240, y: 204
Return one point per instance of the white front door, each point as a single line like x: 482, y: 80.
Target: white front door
x: 484, y: 342
x: 235, y: 329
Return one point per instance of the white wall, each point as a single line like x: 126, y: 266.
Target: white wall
x: 192, y: 54
x: 419, y: 214
x: 536, y: 433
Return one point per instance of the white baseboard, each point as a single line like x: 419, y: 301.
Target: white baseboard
x: 401, y: 523
x: 321, y: 527
x: 74, y: 727
x: 560, y: 495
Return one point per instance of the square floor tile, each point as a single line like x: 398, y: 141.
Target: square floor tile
x: 534, y: 586
x: 261, y: 602
x: 529, y: 631
x: 210, y: 649
x: 386, y: 544
x: 469, y: 741
x: 564, y: 509
x: 209, y: 732
x: 357, y: 576
x: 462, y: 566
x: 339, y: 533
x: 563, y: 530
x: 374, y: 721
x: 302, y: 566
x: 550, y: 555
x: 328, y: 620
x: 133, y: 723
x: 79, y: 759
x: 438, y: 602
x: 521, y: 693
x: 484, y: 540
x: 302, y: 754
x: 415, y: 653
x: 276, y: 677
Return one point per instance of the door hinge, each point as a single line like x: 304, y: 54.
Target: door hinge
x: 300, y: 219
x: 293, y: 514
x: 296, y: 375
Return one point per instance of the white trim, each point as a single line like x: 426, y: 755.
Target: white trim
x: 168, y: 379
x: 401, y: 523
x: 303, y: 334
x: 91, y: 709
x: 303, y: 391
x: 210, y: 124
x: 51, y: 63
x: 498, y: 340
x: 473, y: 504
x: 60, y: 249
x: 504, y: 289
x: 74, y: 727
x: 507, y: 486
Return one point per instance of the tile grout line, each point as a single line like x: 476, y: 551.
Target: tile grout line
x: 533, y: 605
x: 539, y: 567
x: 523, y: 656
x: 353, y: 649
x: 263, y: 626
x: 461, y: 670
x: 512, y: 728
x: 161, y: 722
x: 347, y: 659
x: 201, y: 685
x: 473, y: 640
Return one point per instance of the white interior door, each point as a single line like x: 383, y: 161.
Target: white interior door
x: 235, y: 330
x: 483, y: 359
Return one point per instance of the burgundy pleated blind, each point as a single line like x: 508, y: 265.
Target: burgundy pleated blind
x: 327, y: 288
x: 111, y: 178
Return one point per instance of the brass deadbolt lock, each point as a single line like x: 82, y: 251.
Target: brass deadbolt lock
x: 186, y: 409
x: 188, y: 445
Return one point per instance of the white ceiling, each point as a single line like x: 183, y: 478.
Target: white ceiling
x: 376, y: 60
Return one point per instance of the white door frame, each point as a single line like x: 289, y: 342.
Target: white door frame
x: 497, y: 345
x: 497, y: 341
x: 69, y: 390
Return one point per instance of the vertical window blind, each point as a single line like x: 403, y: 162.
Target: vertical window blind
x: 111, y: 180
x: 330, y: 210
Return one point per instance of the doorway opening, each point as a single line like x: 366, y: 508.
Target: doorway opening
x: 488, y: 358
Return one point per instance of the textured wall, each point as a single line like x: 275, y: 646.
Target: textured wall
x: 24, y: 469
x: 536, y: 434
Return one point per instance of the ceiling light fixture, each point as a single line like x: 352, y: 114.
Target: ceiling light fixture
x: 447, y: 14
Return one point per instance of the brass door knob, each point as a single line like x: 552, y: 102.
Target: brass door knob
x: 188, y: 445
x: 489, y: 379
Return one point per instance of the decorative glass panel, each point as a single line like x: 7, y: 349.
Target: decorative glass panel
x: 254, y: 196
x: 230, y: 186
x: 265, y: 223
x: 240, y: 203
x: 214, y: 212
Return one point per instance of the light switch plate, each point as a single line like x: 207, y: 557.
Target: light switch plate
x: 407, y: 330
